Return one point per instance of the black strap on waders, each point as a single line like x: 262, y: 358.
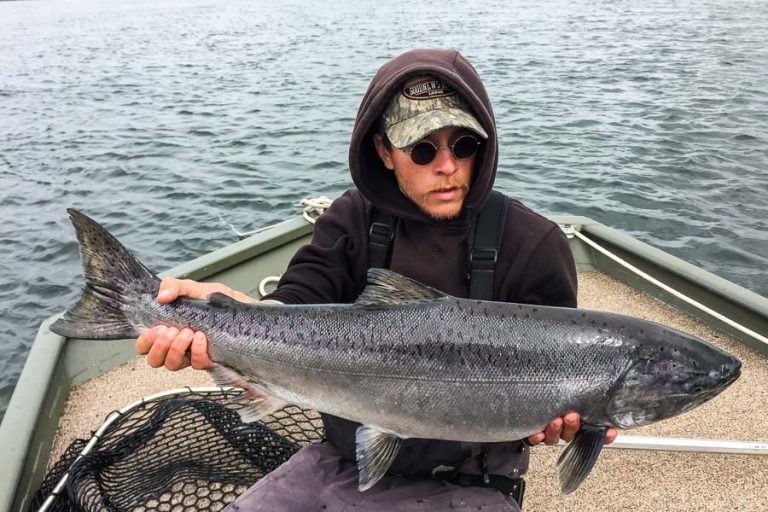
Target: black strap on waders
x: 486, y: 243
x: 485, y: 246
x: 486, y: 240
x: 380, y: 236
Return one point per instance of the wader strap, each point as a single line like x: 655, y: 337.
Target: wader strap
x: 380, y: 236
x: 485, y: 246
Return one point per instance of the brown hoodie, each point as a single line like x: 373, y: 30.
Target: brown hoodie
x: 534, y: 265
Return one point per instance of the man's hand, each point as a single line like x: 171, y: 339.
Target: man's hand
x: 178, y: 348
x: 565, y: 428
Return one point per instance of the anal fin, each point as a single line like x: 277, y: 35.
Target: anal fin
x: 376, y: 449
x: 260, y: 402
x: 578, y: 458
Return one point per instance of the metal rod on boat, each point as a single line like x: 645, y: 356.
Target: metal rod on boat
x: 673, y: 444
x: 681, y: 296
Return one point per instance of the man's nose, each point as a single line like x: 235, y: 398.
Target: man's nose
x: 445, y: 162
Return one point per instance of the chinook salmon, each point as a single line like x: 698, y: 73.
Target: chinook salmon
x: 408, y: 361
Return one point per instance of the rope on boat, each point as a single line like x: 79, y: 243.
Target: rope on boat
x: 667, y: 288
x: 246, y: 234
x: 311, y: 209
x: 264, y: 282
x: 315, y: 207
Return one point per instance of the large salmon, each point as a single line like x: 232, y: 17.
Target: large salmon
x: 409, y: 361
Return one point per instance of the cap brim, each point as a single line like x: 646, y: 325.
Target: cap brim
x: 415, y: 128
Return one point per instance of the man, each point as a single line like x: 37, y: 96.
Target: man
x: 423, y: 151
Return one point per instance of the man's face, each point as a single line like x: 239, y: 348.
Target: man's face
x: 439, y: 187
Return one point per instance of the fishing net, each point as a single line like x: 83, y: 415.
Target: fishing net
x: 188, y: 451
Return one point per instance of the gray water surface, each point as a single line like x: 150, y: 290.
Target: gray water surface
x: 169, y: 121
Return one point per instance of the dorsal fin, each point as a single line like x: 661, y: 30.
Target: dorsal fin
x: 387, y: 287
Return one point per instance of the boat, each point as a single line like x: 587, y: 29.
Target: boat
x: 709, y: 459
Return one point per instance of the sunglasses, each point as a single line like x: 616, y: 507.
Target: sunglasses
x: 424, y: 151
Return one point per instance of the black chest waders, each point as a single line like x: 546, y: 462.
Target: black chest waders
x: 482, y: 257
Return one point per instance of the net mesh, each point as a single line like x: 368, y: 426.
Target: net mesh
x: 180, y: 453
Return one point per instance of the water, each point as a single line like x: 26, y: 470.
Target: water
x: 169, y: 121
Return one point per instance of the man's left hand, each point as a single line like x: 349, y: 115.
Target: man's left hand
x: 565, y: 428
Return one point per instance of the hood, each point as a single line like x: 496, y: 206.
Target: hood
x: 375, y: 181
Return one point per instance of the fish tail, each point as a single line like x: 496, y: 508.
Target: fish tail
x: 114, y: 278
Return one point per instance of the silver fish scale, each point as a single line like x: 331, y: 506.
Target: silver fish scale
x: 460, y: 341
x: 427, y: 362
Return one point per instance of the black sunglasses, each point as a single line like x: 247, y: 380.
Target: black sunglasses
x: 424, y: 151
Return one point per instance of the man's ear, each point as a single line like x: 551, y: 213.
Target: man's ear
x: 384, y: 153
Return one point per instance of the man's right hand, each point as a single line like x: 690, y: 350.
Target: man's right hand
x: 177, y: 348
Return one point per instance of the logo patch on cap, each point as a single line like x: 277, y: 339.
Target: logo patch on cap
x: 427, y: 89
x: 425, y: 104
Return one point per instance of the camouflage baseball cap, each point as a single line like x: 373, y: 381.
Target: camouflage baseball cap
x: 425, y: 104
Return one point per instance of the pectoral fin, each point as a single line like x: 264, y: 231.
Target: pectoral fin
x: 376, y: 449
x: 579, y: 456
x: 260, y: 402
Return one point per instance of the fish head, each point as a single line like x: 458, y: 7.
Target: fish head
x: 668, y: 376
